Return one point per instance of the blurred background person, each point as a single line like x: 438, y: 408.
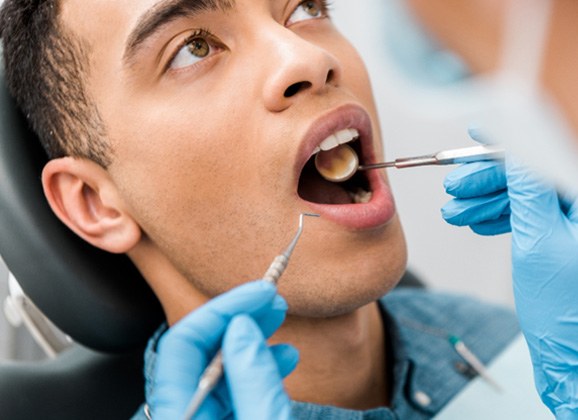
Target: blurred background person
x: 494, y: 198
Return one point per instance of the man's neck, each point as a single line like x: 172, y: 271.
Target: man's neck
x: 342, y: 359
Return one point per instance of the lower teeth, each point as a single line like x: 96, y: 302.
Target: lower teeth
x: 361, y: 196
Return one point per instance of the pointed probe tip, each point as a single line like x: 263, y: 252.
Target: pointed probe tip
x: 303, y: 215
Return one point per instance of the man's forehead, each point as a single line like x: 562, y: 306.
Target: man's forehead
x: 90, y: 18
x: 133, y: 20
x: 140, y: 7
x: 75, y: 13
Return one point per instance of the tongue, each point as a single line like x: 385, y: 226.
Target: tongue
x: 312, y: 187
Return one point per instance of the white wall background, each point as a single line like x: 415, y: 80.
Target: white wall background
x: 446, y: 257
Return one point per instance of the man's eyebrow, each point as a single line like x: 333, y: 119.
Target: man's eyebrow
x: 163, y: 13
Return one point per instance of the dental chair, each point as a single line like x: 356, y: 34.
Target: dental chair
x: 98, y: 300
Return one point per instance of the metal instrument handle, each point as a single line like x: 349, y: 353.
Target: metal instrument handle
x: 470, y: 154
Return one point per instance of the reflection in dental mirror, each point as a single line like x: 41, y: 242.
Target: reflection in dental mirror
x: 338, y: 164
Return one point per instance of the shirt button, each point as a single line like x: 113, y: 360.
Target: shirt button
x: 422, y: 398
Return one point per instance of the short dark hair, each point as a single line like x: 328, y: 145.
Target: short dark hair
x: 45, y: 69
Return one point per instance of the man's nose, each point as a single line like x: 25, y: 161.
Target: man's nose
x: 296, y: 67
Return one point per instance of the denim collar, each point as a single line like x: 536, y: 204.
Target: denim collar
x: 427, y: 372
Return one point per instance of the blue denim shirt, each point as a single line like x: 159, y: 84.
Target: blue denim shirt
x: 427, y: 371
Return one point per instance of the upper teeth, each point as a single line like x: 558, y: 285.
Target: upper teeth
x: 336, y: 139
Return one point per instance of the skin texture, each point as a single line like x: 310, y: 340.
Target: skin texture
x: 473, y: 29
x: 202, y: 189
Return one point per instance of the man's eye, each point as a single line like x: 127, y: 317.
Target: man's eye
x: 194, y: 50
x: 308, y: 10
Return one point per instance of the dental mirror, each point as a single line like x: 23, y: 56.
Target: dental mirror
x: 338, y: 164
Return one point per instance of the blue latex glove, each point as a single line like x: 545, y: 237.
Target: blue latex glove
x: 545, y: 265
x: 239, y: 320
x: 481, y: 198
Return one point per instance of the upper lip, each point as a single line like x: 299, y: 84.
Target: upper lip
x: 346, y: 116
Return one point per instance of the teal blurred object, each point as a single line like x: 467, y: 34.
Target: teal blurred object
x: 416, y: 52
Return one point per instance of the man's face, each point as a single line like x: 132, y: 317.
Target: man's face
x: 212, y: 114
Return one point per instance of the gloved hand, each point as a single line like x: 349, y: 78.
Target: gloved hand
x: 253, y: 389
x: 545, y: 265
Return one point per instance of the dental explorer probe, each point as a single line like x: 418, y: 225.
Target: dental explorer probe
x: 214, y: 371
x: 341, y: 163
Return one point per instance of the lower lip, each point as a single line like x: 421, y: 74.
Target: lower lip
x: 378, y: 212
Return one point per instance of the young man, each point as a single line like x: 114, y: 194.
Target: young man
x: 181, y: 133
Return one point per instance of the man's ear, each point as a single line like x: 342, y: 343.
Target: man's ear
x: 85, y: 198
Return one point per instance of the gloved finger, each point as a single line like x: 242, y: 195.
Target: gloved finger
x: 478, y: 135
x: 470, y: 211
x: 216, y: 406
x: 287, y: 358
x: 476, y: 179
x: 535, y: 205
x: 184, y: 350
x: 252, y: 374
x: 204, y: 327
x: 493, y: 227
x: 270, y: 321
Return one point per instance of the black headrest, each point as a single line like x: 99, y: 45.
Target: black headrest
x: 99, y: 299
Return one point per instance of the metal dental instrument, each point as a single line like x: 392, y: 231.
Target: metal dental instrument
x: 280, y: 262
x: 344, y: 162
x: 214, y: 371
x: 446, y: 157
x: 473, y: 361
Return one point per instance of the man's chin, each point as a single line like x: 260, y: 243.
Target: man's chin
x: 334, y: 301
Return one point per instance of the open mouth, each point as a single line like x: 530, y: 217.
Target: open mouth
x: 315, y: 188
